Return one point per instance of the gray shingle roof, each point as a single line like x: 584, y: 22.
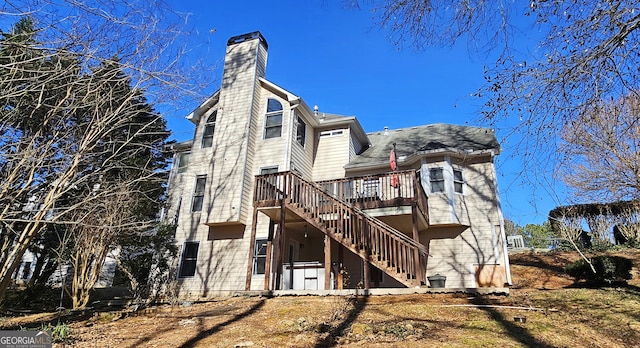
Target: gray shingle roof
x: 414, y: 140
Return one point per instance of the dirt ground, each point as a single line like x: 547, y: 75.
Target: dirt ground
x: 556, y: 313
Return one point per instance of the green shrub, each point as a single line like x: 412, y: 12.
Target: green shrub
x: 609, y: 270
x: 60, y: 333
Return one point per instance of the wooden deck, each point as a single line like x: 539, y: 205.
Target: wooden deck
x: 336, y: 208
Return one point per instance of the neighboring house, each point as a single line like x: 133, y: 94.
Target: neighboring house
x: 271, y: 194
x: 24, y: 272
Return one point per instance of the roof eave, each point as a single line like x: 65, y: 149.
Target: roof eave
x: 412, y: 158
x: 194, y: 116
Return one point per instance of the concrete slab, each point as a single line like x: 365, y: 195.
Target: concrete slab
x: 376, y: 292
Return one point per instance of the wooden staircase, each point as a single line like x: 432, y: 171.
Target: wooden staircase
x: 388, y: 249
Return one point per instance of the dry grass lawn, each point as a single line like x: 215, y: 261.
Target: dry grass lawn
x: 558, y: 314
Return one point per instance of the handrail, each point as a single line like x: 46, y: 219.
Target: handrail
x: 392, y: 247
x: 387, y: 186
x: 360, y: 211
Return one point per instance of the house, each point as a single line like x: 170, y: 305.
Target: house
x: 272, y: 194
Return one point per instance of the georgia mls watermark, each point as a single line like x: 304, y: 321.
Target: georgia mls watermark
x: 25, y: 339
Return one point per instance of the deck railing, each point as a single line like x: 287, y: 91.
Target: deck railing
x: 329, y: 206
x: 395, y: 186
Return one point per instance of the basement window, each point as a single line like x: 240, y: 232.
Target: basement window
x: 259, y: 256
x: 189, y: 259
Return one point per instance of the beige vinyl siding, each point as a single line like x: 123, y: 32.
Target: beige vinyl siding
x: 440, y: 209
x: 332, y: 154
x: 220, y: 268
x: 230, y: 154
x: 269, y: 152
x: 262, y: 232
x: 181, y: 194
x: 255, y: 135
x: 352, y: 148
x: 355, y: 147
x: 455, y: 250
x: 454, y: 254
x: 197, y: 137
x: 302, y: 157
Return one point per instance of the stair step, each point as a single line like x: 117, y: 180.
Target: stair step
x: 345, y: 232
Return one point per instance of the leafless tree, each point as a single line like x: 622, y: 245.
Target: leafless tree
x: 586, y: 52
x: 628, y: 223
x: 67, y: 127
x: 568, y: 225
x: 94, y: 235
x: 602, y: 151
x: 601, y: 225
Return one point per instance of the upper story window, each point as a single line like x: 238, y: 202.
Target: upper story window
x: 198, y: 193
x: 333, y: 133
x: 273, y: 122
x: 183, y: 161
x: 436, y: 179
x: 209, y: 130
x: 458, y: 180
x: 301, y: 131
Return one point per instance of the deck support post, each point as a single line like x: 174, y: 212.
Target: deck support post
x: 280, y: 246
x: 420, y: 273
x: 327, y: 262
x: 254, y: 222
x: 366, y: 272
x: 269, y: 258
x: 339, y: 276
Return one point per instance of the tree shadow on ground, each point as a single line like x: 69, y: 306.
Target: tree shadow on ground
x: 330, y: 340
x: 206, y: 333
x: 536, y: 261
x: 63, y: 317
x: 631, y: 289
x: 518, y: 332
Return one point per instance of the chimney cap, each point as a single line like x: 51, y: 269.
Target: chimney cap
x: 247, y: 37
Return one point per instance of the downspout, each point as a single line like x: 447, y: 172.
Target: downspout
x: 290, y: 140
x: 505, y: 253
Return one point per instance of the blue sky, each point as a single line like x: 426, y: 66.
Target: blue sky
x: 338, y: 59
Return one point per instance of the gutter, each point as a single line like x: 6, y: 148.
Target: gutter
x: 410, y: 159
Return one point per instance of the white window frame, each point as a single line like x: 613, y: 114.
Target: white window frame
x: 332, y: 133
x: 301, y: 126
x: 458, y: 183
x: 209, y: 124
x: 257, y: 254
x: 181, y: 167
x: 438, y: 180
x: 198, y: 194
x: 273, y: 113
x: 269, y: 170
